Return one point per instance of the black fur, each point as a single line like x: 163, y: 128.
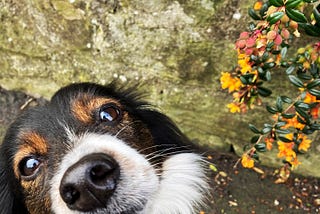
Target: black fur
x: 166, y: 135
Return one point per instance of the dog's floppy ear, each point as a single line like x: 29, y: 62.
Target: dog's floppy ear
x: 9, y: 203
x: 6, y: 194
x: 164, y: 131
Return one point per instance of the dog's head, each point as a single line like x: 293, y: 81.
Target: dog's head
x: 96, y: 149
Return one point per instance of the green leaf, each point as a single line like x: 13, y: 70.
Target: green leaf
x: 276, y: 3
x: 266, y: 130
x: 290, y: 69
x: 313, y: 84
x: 302, y: 105
x: 315, y: 126
x: 310, y: 29
x: 284, y: 139
x: 280, y: 124
x: 314, y: 92
x: 286, y: 99
x: 302, y: 113
x: 264, y: 91
x: 243, y: 80
x: 260, y: 147
x: 288, y: 116
x: 268, y: 75
x: 282, y: 131
x: 283, y: 52
x: 254, y: 139
x: 296, y: 81
x: 296, y: 15
x: 292, y: 3
x: 275, y: 17
x: 272, y: 109
x: 316, y: 14
x: 254, y: 129
x: 253, y: 14
x: 279, y: 104
x: 264, y: 9
x: 304, y: 76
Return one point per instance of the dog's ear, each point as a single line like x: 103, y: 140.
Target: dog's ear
x: 9, y: 204
x: 6, y: 193
x: 164, y: 131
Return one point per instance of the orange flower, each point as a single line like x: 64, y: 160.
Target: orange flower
x: 295, y: 162
x: 315, y: 112
x: 305, y: 143
x: 310, y: 98
x: 257, y: 5
x: 293, y: 122
x: 227, y: 81
x: 269, y: 141
x: 247, y: 161
x: 244, y: 63
x: 286, y: 149
x: 233, y: 107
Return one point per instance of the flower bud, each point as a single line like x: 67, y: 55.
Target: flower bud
x: 271, y: 35
x: 278, y: 40
x: 250, y: 42
x: 285, y: 33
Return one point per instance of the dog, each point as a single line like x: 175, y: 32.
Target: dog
x: 99, y: 149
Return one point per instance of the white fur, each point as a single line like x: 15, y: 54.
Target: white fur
x: 178, y: 190
x: 182, y: 188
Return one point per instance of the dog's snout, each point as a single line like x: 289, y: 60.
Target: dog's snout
x: 89, y: 183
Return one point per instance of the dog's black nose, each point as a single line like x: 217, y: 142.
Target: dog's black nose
x: 88, y: 184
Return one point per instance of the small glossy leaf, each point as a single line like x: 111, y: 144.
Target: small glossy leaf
x: 282, y: 131
x: 253, y: 14
x: 276, y: 3
x: 280, y: 124
x: 302, y: 113
x: 260, y: 147
x: 316, y: 14
x: 290, y: 69
x: 279, y: 104
x: 275, y: 17
x: 284, y: 139
x: 304, y: 76
x: 292, y: 3
x: 315, y: 126
x: 264, y: 91
x: 268, y: 75
x: 313, y: 84
x: 288, y: 116
x: 314, y: 92
x: 302, y: 105
x: 254, y: 129
x: 266, y: 130
x: 254, y: 139
x: 272, y: 109
x: 283, y: 52
x: 295, y: 81
x: 296, y: 15
x: 243, y: 80
x: 310, y: 29
x: 286, y: 99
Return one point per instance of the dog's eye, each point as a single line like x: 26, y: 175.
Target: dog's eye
x: 29, y: 166
x: 109, y: 113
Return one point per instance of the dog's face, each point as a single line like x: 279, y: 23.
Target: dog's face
x: 94, y: 149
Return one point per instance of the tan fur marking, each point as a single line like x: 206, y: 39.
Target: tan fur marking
x: 84, y: 105
x: 32, y: 143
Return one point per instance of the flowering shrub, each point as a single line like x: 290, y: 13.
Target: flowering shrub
x: 262, y: 50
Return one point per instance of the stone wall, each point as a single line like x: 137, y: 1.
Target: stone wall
x: 174, y: 49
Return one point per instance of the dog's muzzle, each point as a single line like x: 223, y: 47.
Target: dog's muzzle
x: 88, y: 184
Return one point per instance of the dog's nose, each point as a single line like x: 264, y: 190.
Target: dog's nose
x: 89, y: 183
